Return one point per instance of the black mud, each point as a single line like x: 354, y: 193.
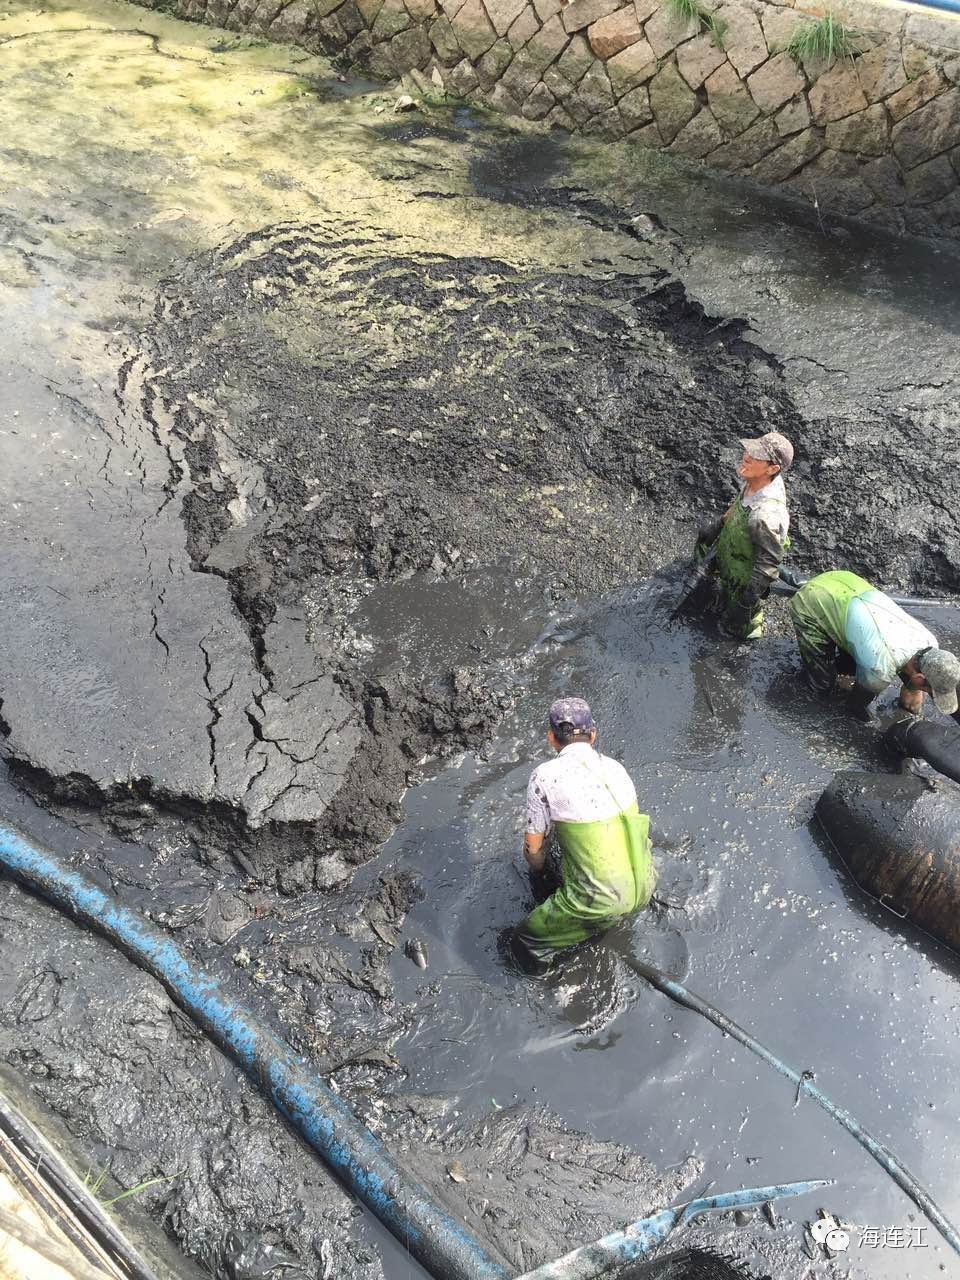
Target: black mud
x: 438, y: 416
x: 313, y: 515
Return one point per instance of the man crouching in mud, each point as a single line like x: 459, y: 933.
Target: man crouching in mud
x: 846, y: 627
x: 588, y: 801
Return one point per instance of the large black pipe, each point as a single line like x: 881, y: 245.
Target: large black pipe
x: 899, y: 836
x: 938, y: 744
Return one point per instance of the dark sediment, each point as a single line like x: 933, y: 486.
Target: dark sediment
x: 356, y: 481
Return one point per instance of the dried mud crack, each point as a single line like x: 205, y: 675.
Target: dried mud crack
x: 349, y: 418
x: 337, y: 417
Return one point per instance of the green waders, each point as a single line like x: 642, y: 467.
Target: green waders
x: 735, y: 560
x: 819, y: 615
x: 608, y: 872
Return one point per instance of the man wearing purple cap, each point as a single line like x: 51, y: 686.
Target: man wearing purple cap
x: 751, y: 537
x: 588, y: 801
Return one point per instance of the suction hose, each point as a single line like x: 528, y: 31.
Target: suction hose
x: 322, y: 1119
x: 802, y: 1079
x: 788, y: 583
x: 938, y: 744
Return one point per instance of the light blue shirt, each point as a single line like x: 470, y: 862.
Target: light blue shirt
x: 881, y: 638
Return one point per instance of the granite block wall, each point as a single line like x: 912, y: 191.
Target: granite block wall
x: 876, y: 135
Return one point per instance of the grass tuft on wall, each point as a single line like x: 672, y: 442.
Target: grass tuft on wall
x: 826, y: 40
x: 687, y: 11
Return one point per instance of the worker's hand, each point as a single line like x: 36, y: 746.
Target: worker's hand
x: 911, y: 700
x: 534, y: 850
x: 542, y: 884
x: 707, y: 535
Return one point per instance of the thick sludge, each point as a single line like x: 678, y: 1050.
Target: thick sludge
x: 369, y: 469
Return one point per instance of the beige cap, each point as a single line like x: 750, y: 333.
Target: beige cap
x: 773, y: 447
x: 941, y: 670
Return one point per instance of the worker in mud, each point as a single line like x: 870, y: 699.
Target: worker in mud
x: 845, y: 626
x: 749, y: 540
x: 588, y: 803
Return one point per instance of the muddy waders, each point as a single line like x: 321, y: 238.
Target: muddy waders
x: 607, y: 869
x: 819, y: 612
x: 819, y: 615
x: 746, y: 571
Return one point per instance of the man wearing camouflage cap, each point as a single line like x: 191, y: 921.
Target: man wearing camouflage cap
x: 751, y: 537
x: 588, y: 801
x: 846, y: 626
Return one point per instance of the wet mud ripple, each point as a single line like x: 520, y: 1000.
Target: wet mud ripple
x: 348, y: 413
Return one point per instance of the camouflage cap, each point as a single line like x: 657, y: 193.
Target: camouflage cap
x: 572, y: 711
x: 941, y: 670
x: 773, y: 447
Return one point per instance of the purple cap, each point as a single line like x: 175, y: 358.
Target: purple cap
x: 572, y: 711
x: 773, y: 447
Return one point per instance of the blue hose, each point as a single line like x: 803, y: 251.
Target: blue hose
x: 953, y: 6
x: 360, y: 1160
x: 620, y: 1248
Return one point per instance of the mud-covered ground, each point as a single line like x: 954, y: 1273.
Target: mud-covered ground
x: 335, y: 444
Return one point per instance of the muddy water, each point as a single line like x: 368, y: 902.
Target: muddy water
x: 729, y: 761
x: 329, y: 442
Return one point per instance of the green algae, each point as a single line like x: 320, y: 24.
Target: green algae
x: 137, y: 139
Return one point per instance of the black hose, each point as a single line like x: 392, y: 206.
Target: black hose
x: 802, y: 1079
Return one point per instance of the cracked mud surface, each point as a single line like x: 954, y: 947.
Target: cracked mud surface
x: 329, y: 444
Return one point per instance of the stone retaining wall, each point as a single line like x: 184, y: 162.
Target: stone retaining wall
x: 877, y: 136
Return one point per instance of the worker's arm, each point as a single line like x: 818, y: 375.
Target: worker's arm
x: 534, y: 851
x: 536, y: 826
x: 858, y: 702
x: 768, y: 552
x: 767, y: 538
x: 870, y: 648
x: 707, y: 536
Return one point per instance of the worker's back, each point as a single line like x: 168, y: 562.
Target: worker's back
x: 591, y: 803
x: 864, y: 622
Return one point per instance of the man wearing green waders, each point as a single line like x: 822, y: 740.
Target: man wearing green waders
x: 750, y: 539
x: 845, y: 626
x: 588, y: 801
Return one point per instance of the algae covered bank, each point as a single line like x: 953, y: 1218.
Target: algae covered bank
x: 334, y: 442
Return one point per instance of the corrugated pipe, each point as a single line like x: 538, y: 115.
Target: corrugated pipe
x: 359, y: 1159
